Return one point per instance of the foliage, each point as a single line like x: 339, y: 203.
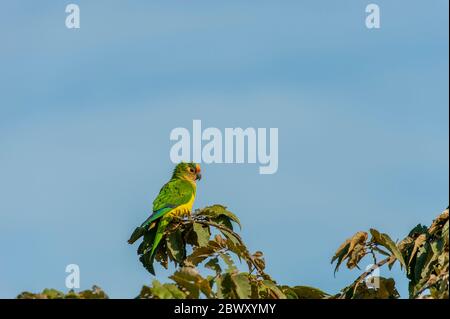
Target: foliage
x: 208, y: 241
x: 94, y: 293
x: 423, y: 254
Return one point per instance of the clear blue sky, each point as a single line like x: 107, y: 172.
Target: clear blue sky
x: 85, y: 117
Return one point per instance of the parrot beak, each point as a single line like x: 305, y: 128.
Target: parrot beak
x: 198, y: 172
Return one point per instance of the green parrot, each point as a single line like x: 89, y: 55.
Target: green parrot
x: 175, y: 199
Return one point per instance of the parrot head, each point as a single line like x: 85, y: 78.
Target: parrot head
x: 189, y: 171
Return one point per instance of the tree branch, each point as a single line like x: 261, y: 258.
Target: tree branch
x: 241, y: 242
x: 368, y: 272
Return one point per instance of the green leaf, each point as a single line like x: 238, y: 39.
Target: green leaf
x: 225, y: 286
x: 175, y: 246
x: 242, y: 285
x: 418, y: 230
x: 161, y: 254
x: 192, y: 281
x: 381, y: 251
x: 423, y: 256
x: 216, y: 211
x: 228, y: 260
x: 224, y: 221
x: 203, y: 234
x: 305, y: 292
x: 176, y: 293
x: 219, y: 288
x: 200, y: 254
x: 386, y: 290
x: 275, y: 291
x: 159, y: 291
x: 234, y: 243
x: 188, y: 281
x: 146, y: 293
x: 166, y: 291
x: 213, y: 264
x: 94, y: 293
x: 52, y: 293
x: 386, y: 241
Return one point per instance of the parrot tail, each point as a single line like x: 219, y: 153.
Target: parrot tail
x: 149, y: 223
x: 159, y: 234
x: 138, y: 233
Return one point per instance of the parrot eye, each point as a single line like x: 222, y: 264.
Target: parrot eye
x: 191, y: 170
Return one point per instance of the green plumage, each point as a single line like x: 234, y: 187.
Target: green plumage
x: 176, y: 195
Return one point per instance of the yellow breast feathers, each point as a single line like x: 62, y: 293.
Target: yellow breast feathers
x: 183, y: 210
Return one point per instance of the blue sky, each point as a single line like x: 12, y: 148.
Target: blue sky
x: 85, y: 118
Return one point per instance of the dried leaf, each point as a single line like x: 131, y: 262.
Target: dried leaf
x: 353, y: 247
x: 417, y: 244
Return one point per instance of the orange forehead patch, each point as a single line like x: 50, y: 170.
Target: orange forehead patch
x: 197, y: 168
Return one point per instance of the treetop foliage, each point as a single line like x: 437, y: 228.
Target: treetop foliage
x: 207, y: 254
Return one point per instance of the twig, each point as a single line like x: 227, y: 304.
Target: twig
x: 226, y: 229
x: 429, y: 284
x: 368, y: 272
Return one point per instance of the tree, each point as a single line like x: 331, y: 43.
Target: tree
x: 423, y: 254
x: 208, y: 243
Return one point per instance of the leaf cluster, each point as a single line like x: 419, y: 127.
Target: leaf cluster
x: 208, y: 239
x: 94, y: 293
x: 423, y: 254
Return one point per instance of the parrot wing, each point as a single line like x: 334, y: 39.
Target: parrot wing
x: 173, y: 194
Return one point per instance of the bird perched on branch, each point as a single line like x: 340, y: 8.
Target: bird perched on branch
x: 175, y: 199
